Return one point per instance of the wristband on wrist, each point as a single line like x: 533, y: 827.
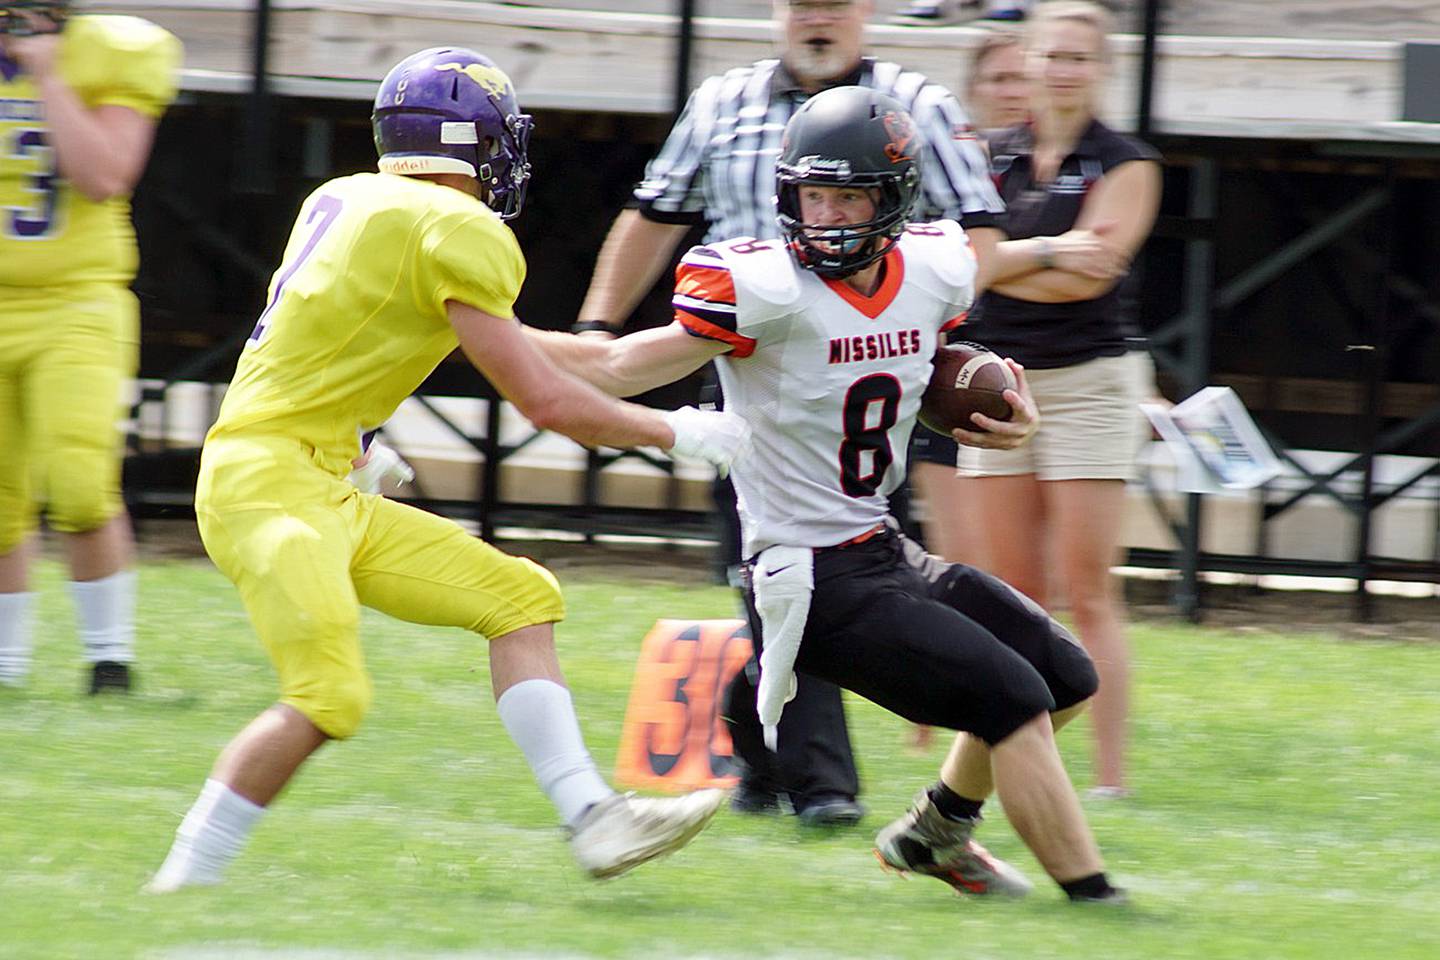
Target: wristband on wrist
x: 1046, y: 256
x: 586, y: 326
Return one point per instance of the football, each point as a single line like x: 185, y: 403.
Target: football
x: 967, y: 379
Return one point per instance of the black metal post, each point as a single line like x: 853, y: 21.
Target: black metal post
x: 1373, y: 364
x: 1198, y: 292
x: 1149, y: 28
x: 682, y: 54
x: 257, y: 170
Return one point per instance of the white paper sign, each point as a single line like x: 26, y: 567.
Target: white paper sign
x: 1216, y: 445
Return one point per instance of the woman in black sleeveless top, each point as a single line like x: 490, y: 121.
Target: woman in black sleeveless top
x: 1058, y: 503
x: 997, y: 96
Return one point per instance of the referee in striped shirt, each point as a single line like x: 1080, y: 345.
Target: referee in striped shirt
x: 718, y: 167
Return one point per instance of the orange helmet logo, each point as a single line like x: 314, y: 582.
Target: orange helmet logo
x: 902, y: 137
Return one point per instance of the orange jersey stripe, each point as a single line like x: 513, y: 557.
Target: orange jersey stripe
x: 712, y: 284
x: 741, y: 345
x: 954, y: 322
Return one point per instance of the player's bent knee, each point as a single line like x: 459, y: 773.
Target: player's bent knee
x: 1036, y: 729
x: 1074, y: 677
x: 80, y: 503
x: 533, y: 597
x: 1020, y: 696
x: 336, y: 705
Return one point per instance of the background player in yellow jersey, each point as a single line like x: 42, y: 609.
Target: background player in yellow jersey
x: 79, y: 99
x: 383, y: 276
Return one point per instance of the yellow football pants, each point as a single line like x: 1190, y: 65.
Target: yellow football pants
x: 307, y: 549
x: 65, y: 355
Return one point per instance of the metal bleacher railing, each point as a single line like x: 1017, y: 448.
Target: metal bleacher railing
x: 1377, y: 152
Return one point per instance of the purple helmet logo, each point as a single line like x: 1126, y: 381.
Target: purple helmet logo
x: 451, y: 110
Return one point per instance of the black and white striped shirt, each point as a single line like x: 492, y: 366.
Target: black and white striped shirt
x: 718, y: 163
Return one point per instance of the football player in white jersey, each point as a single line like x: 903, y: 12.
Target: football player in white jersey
x: 824, y: 344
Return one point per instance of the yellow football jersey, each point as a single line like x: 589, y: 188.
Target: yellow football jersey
x: 49, y: 233
x: 356, y: 316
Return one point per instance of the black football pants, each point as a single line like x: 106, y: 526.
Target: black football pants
x: 936, y: 643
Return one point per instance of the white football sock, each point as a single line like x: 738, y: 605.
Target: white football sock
x: 210, y: 836
x: 105, y: 610
x: 16, y: 610
x: 540, y: 717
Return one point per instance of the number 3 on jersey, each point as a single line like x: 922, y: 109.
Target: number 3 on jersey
x: 35, y: 220
x: 322, y: 215
x: 872, y: 406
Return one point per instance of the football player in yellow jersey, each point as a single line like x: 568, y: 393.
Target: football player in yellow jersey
x: 79, y: 100
x: 383, y: 276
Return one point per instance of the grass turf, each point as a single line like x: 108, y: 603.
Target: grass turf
x: 1289, y: 797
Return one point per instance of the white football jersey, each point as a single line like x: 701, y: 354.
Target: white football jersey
x: 829, y: 380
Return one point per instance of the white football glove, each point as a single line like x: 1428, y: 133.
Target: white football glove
x: 717, y: 436
x: 380, y: 467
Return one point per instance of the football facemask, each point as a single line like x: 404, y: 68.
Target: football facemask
x: 851, y: 137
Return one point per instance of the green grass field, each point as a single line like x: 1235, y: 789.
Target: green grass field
x: 1288, y: 807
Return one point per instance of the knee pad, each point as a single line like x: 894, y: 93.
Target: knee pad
x: 1073, y: 675
x: 82, y: 493
x: 1020, y: 695
x: 534, y: 597
x: 336, y: 704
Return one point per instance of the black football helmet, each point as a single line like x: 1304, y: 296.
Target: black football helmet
x: 15, y: 25
x: 848, y: 136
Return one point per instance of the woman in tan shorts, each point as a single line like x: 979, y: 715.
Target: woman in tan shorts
x: 997, y: 96
x: 1062, y: 497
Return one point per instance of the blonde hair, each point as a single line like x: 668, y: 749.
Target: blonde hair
x: 1076, y: 11
x: 995, y: 40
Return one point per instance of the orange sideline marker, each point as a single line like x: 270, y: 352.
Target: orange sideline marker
x: 674, y: 739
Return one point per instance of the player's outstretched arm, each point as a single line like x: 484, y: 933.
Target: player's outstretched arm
x: 632, y: 364
x: 1005, y: 434
x: 553, y: 399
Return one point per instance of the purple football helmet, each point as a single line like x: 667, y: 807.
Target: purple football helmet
x: 14, y: 25
x: 450, y: 110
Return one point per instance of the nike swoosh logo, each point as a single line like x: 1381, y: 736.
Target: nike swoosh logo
x: 771, y: 573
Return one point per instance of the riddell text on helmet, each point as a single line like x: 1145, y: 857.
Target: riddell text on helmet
x: 410, y: 164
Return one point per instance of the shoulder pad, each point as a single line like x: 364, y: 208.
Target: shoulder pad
x: 126, y: 33
x: 941, y: 250
x: 766, y: 280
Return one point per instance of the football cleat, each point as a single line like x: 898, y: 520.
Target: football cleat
x: 832, y: 812
x: 754, y: 798
x: 109, y: 675
x: 621, y: 832
x: 925, y: 841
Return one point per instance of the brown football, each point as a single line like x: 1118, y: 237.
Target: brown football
x: 967, y: 379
